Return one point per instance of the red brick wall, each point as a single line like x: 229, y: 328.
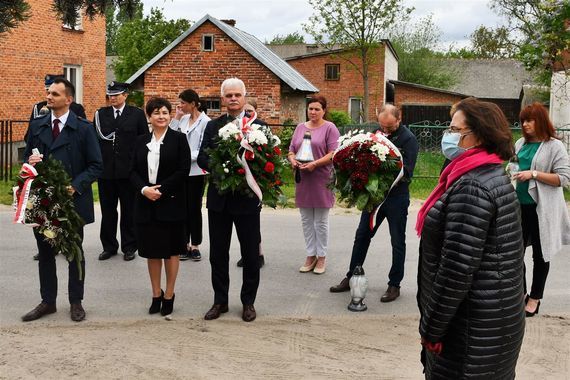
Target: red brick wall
x: 187, y: 66
x: 350, y: 84
x: 413, y: 95
x: 42, y: 46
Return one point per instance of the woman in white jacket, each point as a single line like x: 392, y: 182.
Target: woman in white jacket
x: 191, y: 120
x: 544, y: 171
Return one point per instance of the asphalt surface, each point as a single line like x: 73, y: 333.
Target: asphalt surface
x: 120, y: 290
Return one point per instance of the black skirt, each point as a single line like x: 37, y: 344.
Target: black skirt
x: 160, y: 240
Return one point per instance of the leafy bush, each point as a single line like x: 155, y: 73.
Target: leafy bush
x: 339, y: 118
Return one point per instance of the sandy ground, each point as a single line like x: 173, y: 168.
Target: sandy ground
x: 372, y: 347
x: 302, y: 331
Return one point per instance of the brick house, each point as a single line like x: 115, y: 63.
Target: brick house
x: 339, y: 80
x: 420, y: 103
x: 42, y: 45
x: 210, y: 52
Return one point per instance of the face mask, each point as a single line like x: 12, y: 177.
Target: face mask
x: 449, y: 145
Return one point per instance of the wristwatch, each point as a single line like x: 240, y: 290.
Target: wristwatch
x: 534, y: 174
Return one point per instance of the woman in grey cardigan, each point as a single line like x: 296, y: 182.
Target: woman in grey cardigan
x: 544, y: 171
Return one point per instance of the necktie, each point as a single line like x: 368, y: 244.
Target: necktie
x: 55, y: 129
x: 117, y: 113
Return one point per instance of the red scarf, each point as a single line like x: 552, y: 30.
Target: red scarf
x: 468, y: 161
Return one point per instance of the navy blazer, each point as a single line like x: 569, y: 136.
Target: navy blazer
x: 233, y: 203
x: 173, y: 169
x: 78, y: 150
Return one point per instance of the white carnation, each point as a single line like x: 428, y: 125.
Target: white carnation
x: 257, y: 137
x: 228, y: 131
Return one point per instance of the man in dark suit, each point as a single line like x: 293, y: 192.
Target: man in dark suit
x: 63, y: 136
x: 225, y: 210
x: 41, y: 108
x: 118, y: 126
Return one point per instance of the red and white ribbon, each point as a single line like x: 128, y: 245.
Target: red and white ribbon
x: 372, y: 220
x: 245, y: 126
x: 28, y: 172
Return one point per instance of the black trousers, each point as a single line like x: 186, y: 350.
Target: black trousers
x: 48, y: 273
x: 111, y: 192
x: 194, y: 194
x: 249, y: 236
x: 540, y: 267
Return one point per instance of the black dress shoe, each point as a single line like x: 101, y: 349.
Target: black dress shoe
x: 215, y: 311
x: 37, y: 256
x: 106, y: 255
x: 391, y: 294
x: 248, y: 313
x: 261, y: 261
x: 39, y: 311
x: 530, y: 314
x: 240, y: 263
x: 156, y: 302
x: 77, y: 312
x: 167, y: 306
x: 128, y: 256
x: 195, y: 255
x: 344, y: 286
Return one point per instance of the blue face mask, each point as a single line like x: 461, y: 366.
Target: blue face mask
x: 449, y: 145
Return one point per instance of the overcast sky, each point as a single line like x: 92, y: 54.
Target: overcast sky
x: 267, y: 18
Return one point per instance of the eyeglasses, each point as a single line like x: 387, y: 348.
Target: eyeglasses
x: 453, y: 129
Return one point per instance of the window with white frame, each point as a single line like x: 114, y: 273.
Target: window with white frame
x: 78, y: 22
x: 74, y: 74
x: 355, y: 109
x: 208, y: 42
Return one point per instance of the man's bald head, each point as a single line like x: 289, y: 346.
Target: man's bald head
x: 389, y: 118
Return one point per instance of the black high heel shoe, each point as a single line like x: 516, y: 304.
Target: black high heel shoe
x: 532, y: 314
x: 167, y: 305
x: 155, y: 305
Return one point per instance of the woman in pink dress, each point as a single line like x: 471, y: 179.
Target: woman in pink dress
x: 312, y: 196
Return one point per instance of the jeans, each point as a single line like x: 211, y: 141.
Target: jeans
x: 395, y: 210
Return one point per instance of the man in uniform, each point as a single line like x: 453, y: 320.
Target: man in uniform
x: 118, y: 126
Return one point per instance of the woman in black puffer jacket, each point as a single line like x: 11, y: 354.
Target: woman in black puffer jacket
x: 470, y: 276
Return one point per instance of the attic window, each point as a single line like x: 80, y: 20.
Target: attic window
x: 208, y: 42
x: 332, y: 72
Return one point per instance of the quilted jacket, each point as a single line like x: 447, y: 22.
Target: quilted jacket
x: 470, y: 279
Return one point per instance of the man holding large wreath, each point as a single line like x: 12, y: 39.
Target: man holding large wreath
x: 64, y: 136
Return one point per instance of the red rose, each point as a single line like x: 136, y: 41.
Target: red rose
x: 277, y: 151
x: 259, y: 148
x: 268, y: 155
x: 269, y: 167
x: 249, y: 155
x: 56, y: 222
x: 278, y: 183
x: 241, y: 171
x: 44, y: 202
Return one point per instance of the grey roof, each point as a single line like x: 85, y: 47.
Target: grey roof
x: 421, y: 86
x: 489, y: 78
x: 252, y: 45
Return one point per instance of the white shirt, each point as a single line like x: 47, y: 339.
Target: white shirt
x: 62, y: 120
x: 118, y: 109
x: 153, y: 157
x: 194, y: 135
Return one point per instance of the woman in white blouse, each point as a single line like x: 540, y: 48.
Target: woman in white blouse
x: 191, y: 120
x: 158, y: 172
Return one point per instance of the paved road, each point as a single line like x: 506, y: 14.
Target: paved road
x: 119, y: 290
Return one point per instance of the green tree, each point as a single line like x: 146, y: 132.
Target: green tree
x: 114, y: 18
x: 541, y: 29
x: 419, y: 62
x: 291, y: 38
x: 13, y: 13
x: 140, y: 39
x: 492, y: 42
x: 356, y: 26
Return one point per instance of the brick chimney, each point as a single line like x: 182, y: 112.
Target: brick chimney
x: 230, y: 22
